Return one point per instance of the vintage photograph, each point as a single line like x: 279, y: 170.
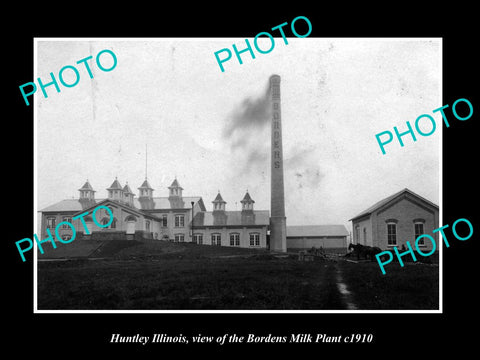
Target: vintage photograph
x: 167, y: 183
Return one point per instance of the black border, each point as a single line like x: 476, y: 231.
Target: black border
x: 55, y: 334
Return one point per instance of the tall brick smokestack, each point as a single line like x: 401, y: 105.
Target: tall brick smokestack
x: 278, y: 221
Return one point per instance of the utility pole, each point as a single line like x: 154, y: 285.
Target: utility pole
x: 193, y: 203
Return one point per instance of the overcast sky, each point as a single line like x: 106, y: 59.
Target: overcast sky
x: 199, y: 123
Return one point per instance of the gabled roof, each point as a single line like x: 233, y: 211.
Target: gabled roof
x: 247, y: 198
x: 64, y: 205
x: 390, y: 198
x: 219, y: 199
x: 160, y: 203
x: 115, y: 203
x: 316, y: 230
x: 115, y: 185
x: 87, y: 186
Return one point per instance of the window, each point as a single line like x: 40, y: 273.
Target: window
x: 113, y: 225
x: 198, y: 239
x: 216, y: 239
x: 234, y: 239
x: 179, y: 220
x: 50, y: 222
x: 365, y: 236
x: 357, y: 234
x: 254, y: 239
x: 164, y: 220
x: 391, y: 234
x: 179, y: 237
x: 419, y: 230
x: 66, y: 219
x: 147, y: 225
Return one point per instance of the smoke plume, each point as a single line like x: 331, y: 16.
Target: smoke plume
x: 245, y: 131
x: 251, y: 114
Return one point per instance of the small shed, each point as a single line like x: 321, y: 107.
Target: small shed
x: 332, y: 238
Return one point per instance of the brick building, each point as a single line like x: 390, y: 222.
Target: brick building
x: 161, y: 218
x: 245, y: 228
x: 395, y: 220
x: 145, y: 217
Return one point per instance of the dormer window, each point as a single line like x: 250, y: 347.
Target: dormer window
x: 87, y: 192
x: 247, y: 202
x: 219, y: 203
x: 175, y: 189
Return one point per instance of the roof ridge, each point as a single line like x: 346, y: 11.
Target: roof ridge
x: 387, y: 199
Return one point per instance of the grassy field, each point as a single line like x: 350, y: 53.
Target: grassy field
x: 161, y: 276
x: 412, y: 287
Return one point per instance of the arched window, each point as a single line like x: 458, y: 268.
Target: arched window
x: 130, y: 218
x: 419, y: 229
x: 179, y: 237
x: 391, y: 233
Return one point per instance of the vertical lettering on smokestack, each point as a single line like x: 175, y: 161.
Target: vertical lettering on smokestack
x: 278, y: 227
